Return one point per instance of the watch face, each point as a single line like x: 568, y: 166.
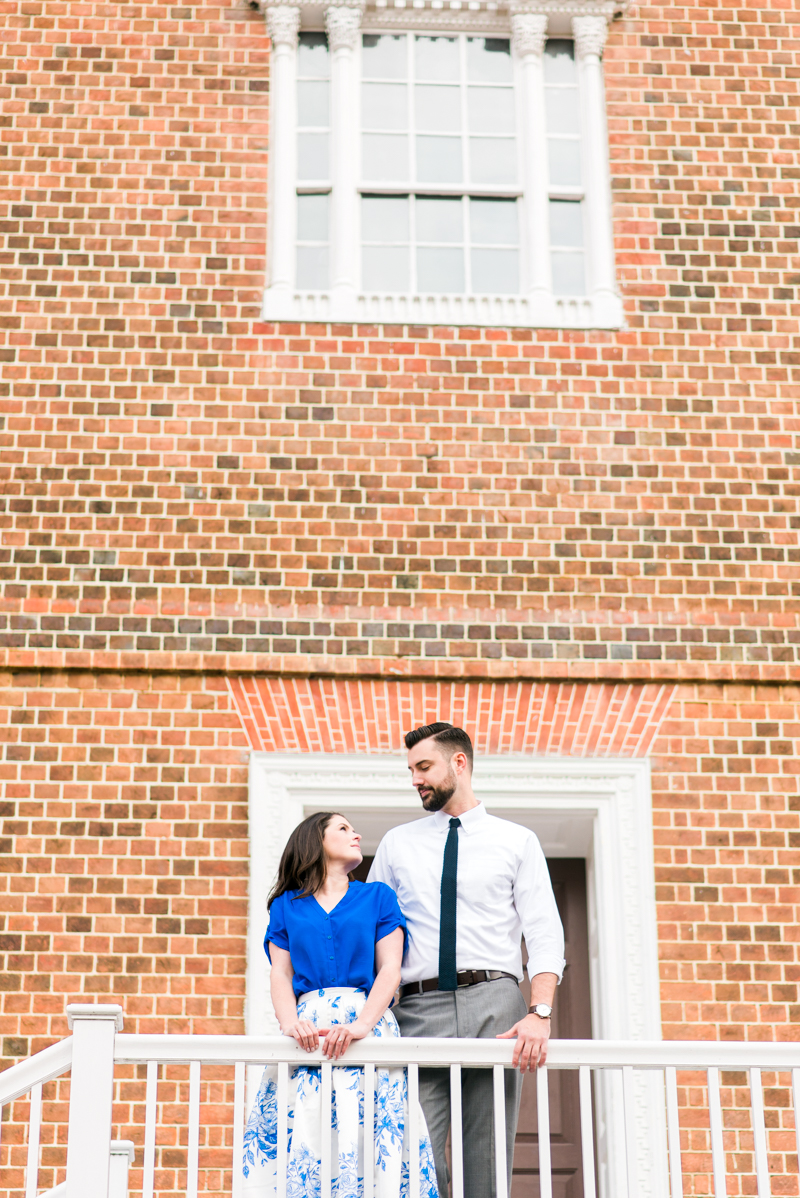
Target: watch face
x: 543, y: 1010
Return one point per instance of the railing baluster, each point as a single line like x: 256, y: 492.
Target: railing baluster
x: 34, y: 1133
x: 282, y: 1156
x: 456, y: 1134
x: 413, y: 1131
x: 150, y: 1107
x: 673, y: 1133
x: 629, y: 1104
x: 587, y: 1131
x: 715, y: 1125
x: 370, y: 1076
x: 796, y: 1104
x: 193, y: 1151
x: 500, y: 1163
x: 325, y: 1114
x: 237, y: 1177
x: 543, y: 1127
x: 759, y: 1133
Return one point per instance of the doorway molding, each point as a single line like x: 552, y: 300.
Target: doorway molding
x: 599, y: 809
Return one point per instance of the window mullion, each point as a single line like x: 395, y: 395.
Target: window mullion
x: 590, y: 35
x: 283, y: 23
x: 528, y: 37
x: 343, y: 24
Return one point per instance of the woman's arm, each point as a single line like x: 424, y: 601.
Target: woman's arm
x: 388, y: 955
x: 285, y: 1003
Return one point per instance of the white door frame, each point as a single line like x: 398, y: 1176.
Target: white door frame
x: 599, y: 809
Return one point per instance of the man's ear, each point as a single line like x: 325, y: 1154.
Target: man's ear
x: 460, y: 762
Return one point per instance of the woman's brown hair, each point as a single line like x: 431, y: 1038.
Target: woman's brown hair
x: 303, y: 865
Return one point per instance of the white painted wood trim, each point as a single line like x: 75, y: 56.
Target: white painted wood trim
x: 610, y: 798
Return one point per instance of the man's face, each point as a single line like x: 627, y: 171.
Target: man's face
x: 432, y: 774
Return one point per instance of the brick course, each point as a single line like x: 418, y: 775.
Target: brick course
x: 196, y: 507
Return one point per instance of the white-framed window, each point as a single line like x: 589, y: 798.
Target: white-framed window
x: 426, y: 169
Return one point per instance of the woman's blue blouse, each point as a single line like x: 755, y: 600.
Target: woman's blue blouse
x: 335, y: 948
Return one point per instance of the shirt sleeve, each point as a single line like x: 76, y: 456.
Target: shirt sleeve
x: 381, y: 870
x: 388, y: 913
x: 276, y: 932
x: 536, y: 906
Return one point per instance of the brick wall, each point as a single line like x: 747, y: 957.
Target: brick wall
x: 188, y: 496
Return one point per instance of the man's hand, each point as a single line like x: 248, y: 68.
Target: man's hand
x: 530, y: 1050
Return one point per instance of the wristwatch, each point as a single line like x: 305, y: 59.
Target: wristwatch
x: 541, y: 1009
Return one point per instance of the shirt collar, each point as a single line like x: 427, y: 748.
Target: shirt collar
x: 470, y: 820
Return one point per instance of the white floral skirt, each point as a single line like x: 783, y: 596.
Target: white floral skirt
x: 392, y: 1149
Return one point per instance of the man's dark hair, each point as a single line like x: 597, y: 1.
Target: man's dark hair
x: 453, y: 740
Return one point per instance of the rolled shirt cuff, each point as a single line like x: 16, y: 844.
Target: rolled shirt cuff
x: 546, y: 965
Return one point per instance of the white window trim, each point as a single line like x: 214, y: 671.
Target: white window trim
x: 528, y: 23
x: 597, y: 809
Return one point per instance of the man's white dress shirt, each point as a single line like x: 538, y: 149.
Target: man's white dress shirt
x: 503, y: 891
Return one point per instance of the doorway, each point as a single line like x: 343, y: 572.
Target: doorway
x: 572, y: 1020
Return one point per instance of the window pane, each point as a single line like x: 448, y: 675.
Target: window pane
x: 312, y: 218
x: 493, y: 222
x: 383, y: 56
x: 312, y: 102
x: 384, y: 105
x: 312, y: 155
x: 312, y: 267
x: 566, y: 223
x: 437, y: 109
x: 488, y: 60
x: 384, y: 156
x: 495, y: 272
x: 436, y: 59
x: 564, y: 160
x: 439, y: 159
x: 312, y: 55
x: 568, y: 273
x: 491, y: 109
x: 386, y: 268
x: 439, y: 219
x: 493, y: 160
x: 561, y: 107
x: 440, y: 270
x: 384, y: 218
x: 559, y: 61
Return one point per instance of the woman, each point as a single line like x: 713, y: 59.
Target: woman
x: 335, y: 946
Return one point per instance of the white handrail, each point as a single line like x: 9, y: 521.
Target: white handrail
x: 477, y: 1054
x: 36, y: 1070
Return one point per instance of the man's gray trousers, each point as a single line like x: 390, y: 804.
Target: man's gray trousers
x: 482, y: 1011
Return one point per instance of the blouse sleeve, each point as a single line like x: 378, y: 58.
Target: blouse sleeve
x: 276, y: 932
x: 388, y: 913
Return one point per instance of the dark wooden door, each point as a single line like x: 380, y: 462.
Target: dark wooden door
x: 571, y: 1021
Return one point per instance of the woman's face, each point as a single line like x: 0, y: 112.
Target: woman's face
x: 342, y: 843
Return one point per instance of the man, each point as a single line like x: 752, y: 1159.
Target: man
x: 469, y: 884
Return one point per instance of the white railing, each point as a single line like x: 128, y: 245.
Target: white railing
x: 95, y: 1169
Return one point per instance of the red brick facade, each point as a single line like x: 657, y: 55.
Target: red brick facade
x: 591, y: 537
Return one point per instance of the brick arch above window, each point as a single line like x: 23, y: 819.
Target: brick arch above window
x: 370, y: 716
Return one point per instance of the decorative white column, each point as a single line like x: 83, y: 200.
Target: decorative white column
x: 283, y: 24
x: 528, y: 36
x: 343, y: 23
x: 590, y: 38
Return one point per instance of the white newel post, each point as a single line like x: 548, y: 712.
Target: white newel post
x: 343, y: 23
x: 90, y: 1097
x: 528, y: 37
x: 590, y: 37
x: 283, y: 24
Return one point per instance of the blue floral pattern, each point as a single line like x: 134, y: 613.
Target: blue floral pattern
x: 392, y: 1150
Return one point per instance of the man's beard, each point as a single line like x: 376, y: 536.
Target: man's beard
x: 441, y: 795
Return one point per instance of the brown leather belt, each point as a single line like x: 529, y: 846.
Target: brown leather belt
x: 467, y: 977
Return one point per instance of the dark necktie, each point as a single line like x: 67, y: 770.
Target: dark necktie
x: 447, y: 911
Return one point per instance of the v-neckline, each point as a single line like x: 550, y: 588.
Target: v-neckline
x: 338, y: 903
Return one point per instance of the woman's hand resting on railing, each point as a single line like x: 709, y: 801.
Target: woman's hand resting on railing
x: 304, y: 1032
x: 340, y: 1036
